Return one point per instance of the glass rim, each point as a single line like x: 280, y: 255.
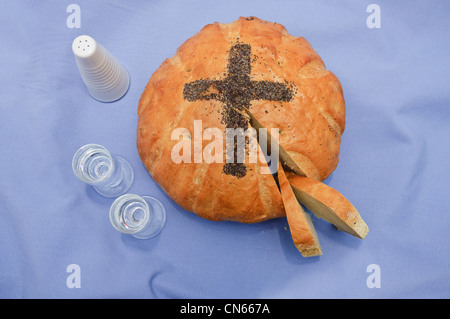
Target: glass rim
x: 80, y: 153
x: 114, y: 213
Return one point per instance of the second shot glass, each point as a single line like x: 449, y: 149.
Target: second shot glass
x: 142, y: 217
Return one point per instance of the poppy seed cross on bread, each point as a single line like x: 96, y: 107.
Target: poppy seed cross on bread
x: 236, y: 92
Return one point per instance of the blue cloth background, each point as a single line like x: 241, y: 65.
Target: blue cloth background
x: 394, y: 162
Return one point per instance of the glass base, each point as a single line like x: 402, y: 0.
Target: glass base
x: 142, y: 217
x: 120, y: 183
x: 157, y: 218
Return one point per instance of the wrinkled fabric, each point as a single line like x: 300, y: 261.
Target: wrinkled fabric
x: 393, y: 162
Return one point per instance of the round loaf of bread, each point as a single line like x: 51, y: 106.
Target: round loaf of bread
x: 242, y: 75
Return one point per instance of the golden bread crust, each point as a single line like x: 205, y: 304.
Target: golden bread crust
x: 310, y: 124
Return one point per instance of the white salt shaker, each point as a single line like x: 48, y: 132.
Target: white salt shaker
x: 105, y: 78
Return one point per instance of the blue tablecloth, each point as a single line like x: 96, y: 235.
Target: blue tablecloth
x: 56, y: 240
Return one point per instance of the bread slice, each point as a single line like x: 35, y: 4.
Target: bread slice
x: 284, y: 156
x: 327, y: 203
x: 300, y: 224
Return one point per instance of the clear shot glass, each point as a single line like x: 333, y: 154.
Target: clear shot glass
x: 142, y: 217
x: 111, y: 176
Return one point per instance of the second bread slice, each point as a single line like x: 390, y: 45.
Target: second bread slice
x: 327, y: 203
